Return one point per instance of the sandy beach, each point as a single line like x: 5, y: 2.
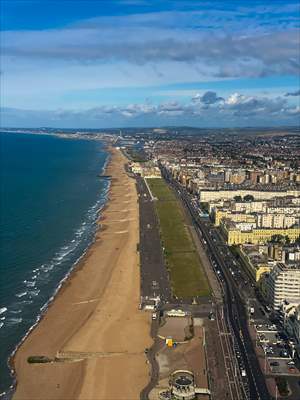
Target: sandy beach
x: 94, y: 322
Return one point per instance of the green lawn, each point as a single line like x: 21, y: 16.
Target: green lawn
x: 188, y: 278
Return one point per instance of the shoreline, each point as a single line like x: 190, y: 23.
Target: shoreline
x: 60, y: 286
x: 62, y: 292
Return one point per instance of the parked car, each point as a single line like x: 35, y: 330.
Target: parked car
x: 283, y: 353
x: 274, y: 364
x: 211, y: 316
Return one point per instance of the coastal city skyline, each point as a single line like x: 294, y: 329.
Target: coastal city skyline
x: 150, y: 200
x: 184, y: 253
x: 101, y: 64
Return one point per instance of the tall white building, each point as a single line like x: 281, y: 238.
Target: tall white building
x: 283, y: 284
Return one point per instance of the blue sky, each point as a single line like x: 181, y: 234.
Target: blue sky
x: 149, y: 63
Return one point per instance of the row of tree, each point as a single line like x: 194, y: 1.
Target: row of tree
x: 283, y: 239
x: 248, y: 197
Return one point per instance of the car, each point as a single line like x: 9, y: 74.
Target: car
x: 283, y: 336
x: 283, y: 353
x: 211, y: 316
x: 274, y: 364
x: 291, y: 362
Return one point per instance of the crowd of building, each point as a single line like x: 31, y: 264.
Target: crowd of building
x: 252, y: 193
x: 250, y: 188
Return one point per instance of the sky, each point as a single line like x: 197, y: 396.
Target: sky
x: 117, y: 63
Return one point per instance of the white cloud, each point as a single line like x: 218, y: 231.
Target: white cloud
x: 295, y: 93
x: 48, y: 68
x: 229, y: 55
x: 235, y: 109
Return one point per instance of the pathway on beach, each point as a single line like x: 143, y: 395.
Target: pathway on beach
x: 96, y: 313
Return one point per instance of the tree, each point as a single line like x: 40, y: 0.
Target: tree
x: 238, y: 198
x: 282, y: 385
x: 277, y: 239
x: 280, y: 239
x: 248, y: 197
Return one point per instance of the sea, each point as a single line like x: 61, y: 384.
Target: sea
x: 51, y: 195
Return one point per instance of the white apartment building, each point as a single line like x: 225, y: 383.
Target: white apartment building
x: 294, y: 255
x: 245, y: 226
x: 283, y: 284
x: 207, y: 195
x: 277, y: 221
x: 287, y: 210
x: 250, y: 206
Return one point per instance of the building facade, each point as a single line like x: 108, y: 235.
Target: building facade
x: 283, y: 285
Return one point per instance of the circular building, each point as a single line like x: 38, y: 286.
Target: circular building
x: 182, y: 385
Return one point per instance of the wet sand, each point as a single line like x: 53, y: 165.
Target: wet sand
x: 94, y: 321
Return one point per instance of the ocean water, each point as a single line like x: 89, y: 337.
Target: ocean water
x: 50, y: 197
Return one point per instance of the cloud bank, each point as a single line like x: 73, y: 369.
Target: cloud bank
x: 221, y: 42
x: 220, y: 55
x: 101, y: 69
x: 207, y: 108
x: 296, y: 93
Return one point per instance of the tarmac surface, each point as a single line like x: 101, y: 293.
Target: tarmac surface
x: 154, y: 275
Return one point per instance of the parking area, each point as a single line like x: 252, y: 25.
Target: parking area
x: 154, y: 275
x: 279, y: 353
x: 282, y: 366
